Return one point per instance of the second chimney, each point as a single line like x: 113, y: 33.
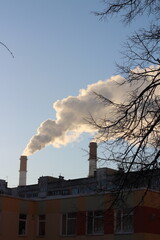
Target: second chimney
x: 92, y: 159
x: 23, y: 171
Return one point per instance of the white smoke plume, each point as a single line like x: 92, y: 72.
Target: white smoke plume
x: 72, y: 112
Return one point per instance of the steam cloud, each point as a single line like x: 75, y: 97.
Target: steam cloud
x: 72, y: 112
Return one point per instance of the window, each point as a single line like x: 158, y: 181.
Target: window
x: 22, y: 224
x: 41, y: 225
x: 69, y: 223
x: 124, y: 221
x: 95, y: 222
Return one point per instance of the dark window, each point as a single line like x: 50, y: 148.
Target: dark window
x: 124, y: 221
x: 22, y: 224
x: 95, y: 222
x: 41, y: 225
x: 69, y: 223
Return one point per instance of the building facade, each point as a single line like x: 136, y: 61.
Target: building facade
x: 80, y: 217
x: 82, y: 209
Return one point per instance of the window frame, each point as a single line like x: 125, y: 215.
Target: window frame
x: 67, y: 219
x: 41, y: 221
x: 22, y: 219
x: 124, y: 213
x: 93, y: 220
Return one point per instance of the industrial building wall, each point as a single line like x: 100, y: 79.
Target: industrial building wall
x: 59, y: 218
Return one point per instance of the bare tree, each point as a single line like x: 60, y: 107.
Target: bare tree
x: 5, y: 46
x: 132, y: 135
x: 130, y: 9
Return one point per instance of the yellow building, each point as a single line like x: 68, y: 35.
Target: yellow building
x: 81, y: 217
x: 91, y: 208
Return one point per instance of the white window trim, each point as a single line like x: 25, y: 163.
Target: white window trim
x: 93, y: 221
x: 66, y: 227
x: 115, y: 222
x: 26, y: 222
x: 38, y: 221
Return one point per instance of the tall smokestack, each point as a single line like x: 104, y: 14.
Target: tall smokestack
x: 23, y: 171
x: 92, y: 158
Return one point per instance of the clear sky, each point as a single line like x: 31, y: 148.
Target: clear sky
x: 59, y: 47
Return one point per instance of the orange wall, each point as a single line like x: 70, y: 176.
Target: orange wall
x: 9, y: 217
x: 146, y: 218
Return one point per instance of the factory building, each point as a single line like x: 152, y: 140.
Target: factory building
x: 82, y: 209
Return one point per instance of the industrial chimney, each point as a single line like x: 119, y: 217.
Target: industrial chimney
x: 92, y: 158
x: 23, y: 171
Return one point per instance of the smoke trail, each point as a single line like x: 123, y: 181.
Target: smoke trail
x: 72, y: 112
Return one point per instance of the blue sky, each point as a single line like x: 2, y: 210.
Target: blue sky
x: 59, y: 48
